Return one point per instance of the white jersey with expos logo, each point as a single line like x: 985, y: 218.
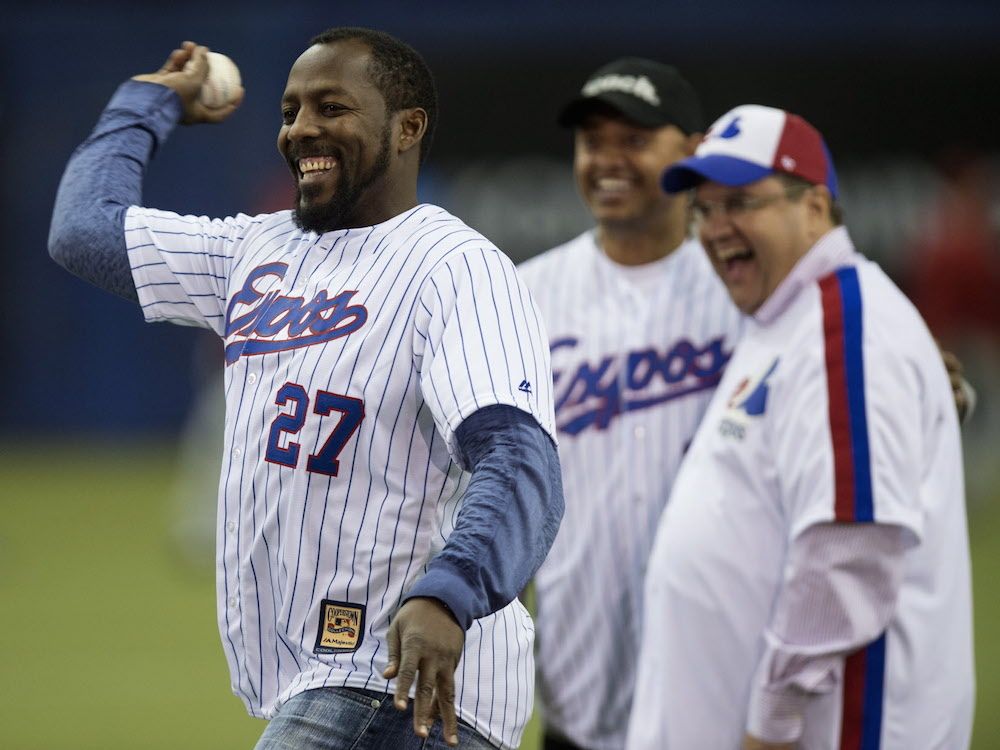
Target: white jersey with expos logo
x: 351, y: 359
x: 636, y: 355
x: 835, y: 408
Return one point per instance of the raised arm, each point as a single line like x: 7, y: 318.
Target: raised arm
x: 104, y: 175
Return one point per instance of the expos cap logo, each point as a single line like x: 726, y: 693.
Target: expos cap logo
x: 732, y: 129
x: 261, y: 322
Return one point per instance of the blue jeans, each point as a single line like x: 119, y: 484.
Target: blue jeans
x: 351, y: 719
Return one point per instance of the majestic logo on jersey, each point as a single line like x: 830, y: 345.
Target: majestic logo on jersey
x: 341, y: 627
x: 592, y: 395
x: 265, y: 322
x: 748, y: 400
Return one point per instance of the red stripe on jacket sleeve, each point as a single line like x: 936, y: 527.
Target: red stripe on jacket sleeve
x: 839, y: 413
x: 854, y: 701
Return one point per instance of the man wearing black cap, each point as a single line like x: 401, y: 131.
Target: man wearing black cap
x: 809, y: 587
x: 640, y: 330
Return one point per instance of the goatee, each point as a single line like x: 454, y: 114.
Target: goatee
x: 336, y: 213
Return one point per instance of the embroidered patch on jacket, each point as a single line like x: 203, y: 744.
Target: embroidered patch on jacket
x: 748, y: 401
x: 341, y: 627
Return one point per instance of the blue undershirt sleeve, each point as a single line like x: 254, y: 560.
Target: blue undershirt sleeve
x: 509, y: 517
x: 103, y: 178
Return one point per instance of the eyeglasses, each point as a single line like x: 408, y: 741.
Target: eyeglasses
x: 736, y: 205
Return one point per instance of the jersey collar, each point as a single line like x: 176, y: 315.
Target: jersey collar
x: 833, y: 250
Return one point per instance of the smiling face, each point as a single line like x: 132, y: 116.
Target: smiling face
x: 335, y: 136
x: 618, y: 166
x: 755, y: 247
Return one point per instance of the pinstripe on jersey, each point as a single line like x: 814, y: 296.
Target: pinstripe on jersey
x: 636, y: 355
x: 352, y: 357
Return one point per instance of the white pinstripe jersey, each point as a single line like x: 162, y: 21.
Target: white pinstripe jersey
x: 352, y: 357
x: 636, y: 355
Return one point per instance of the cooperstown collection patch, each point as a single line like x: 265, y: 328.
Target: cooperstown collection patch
x: 341, y: 627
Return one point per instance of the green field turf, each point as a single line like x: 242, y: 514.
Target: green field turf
x: 109, y: 642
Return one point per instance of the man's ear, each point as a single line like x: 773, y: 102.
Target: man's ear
x: 819, y: 200
x: 819, y: 208
x: 412, y: 126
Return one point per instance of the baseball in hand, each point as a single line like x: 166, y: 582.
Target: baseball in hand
x: 222, y: 84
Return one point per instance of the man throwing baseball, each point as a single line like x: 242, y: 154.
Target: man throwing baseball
x: 390, y: 481
x: 809, y: 584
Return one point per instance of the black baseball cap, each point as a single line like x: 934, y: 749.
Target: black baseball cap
x: 647, y: 92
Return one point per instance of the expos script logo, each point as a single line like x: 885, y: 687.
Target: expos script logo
x: 266, y: 322
x: 591, y: 395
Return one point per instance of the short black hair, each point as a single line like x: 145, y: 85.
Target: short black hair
x: 397, y: 70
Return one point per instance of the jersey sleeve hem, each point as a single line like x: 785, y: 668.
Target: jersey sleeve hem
x: 911, y: 520
x: 482, y: 401
x: 143, y: 262
x: 181, y: 275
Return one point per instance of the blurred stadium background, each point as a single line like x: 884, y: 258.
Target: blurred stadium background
x: 107, y: 629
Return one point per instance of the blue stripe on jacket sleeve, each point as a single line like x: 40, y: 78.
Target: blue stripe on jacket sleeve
x: 854, y: 362
x: 871, y: 724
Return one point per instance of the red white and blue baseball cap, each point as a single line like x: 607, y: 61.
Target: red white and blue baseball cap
x: 751, y: 142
